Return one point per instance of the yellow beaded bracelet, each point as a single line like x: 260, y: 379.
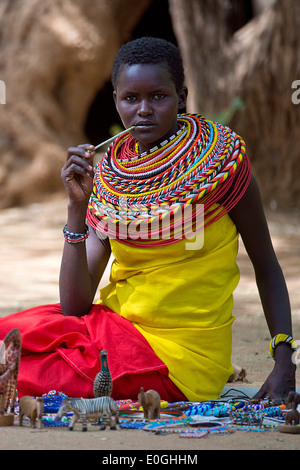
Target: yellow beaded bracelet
x: 281, y: 338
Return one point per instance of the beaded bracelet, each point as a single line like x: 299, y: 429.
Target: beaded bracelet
x: 281, y: 338
x: 72, y: 237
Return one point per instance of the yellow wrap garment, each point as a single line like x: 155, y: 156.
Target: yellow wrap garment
x: 181, y: 301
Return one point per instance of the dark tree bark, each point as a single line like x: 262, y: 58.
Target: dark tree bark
x: 54, y: 57
x: 257, y: 63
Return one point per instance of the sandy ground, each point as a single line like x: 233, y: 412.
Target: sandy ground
x: 30, y: 252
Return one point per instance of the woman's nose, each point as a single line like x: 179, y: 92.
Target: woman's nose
x: 144, y: 108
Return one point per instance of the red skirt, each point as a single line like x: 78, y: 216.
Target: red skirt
x: 63, y: 353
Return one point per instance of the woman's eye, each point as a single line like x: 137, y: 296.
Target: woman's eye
x: 130, y: 98
x: 159, y: 96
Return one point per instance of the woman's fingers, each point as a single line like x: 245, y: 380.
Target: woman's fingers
x: 80, y: 159
x: 85, y: 151
x: 78, y: 172
x: 79, y: 165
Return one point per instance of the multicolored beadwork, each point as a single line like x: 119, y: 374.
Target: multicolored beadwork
x: 235, y: 416
x: 281, y: 338
x: 196, y: 166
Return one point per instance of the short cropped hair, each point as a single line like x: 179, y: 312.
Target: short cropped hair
x: 150, y: 50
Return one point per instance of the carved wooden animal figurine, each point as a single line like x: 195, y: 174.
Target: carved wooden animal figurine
x: 10, y: 353
x: 90, y: 408
x: 292, y: 417
x: 103, y: 381
x: 294, y: 397
x: 33, y: 408
x: 150, y: 401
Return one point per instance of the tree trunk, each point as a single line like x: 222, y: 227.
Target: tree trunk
x: 245, y: 78
x: 54, y: 57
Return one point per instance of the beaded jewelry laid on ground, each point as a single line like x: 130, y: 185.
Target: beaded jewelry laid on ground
x: 187, y: 419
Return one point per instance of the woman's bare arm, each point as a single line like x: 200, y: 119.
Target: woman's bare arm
x: 82, y: 267
x: 83, y: 263
x: 249, y: 217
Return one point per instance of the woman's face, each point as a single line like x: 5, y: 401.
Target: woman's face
x: 146, y: 97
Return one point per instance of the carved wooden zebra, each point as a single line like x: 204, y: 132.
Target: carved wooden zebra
x: 91, y: 408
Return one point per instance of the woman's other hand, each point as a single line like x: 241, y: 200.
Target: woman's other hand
x: 281, y: 380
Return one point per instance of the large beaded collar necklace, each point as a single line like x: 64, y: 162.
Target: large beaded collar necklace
x: 196, y: 167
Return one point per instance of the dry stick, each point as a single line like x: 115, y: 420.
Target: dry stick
x: 108, y: 141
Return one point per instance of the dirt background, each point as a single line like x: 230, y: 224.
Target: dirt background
x: 30, y: 253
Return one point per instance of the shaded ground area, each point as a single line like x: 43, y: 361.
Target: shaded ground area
x: 30, y: 253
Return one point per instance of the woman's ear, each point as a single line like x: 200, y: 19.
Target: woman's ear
x: 182, y: 97
x: 115, y: 97
x: 116, y: 100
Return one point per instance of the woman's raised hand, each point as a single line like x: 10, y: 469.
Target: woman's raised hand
x: 78, y: 173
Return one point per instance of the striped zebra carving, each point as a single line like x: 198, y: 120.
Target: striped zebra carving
x: 90, y: 408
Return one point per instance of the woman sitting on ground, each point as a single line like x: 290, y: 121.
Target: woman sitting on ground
x: 168, y: 200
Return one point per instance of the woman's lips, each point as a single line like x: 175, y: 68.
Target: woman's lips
x: 145, y: 124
